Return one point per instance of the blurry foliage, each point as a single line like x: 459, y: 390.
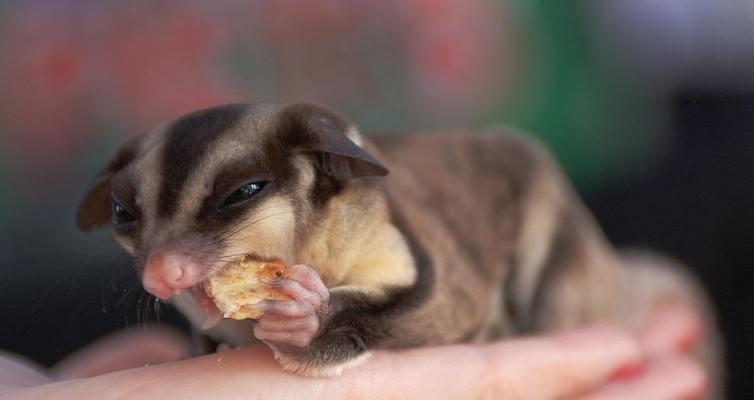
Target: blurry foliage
x: 591, y: 116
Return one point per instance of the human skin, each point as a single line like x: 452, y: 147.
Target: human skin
x: 593, y: 363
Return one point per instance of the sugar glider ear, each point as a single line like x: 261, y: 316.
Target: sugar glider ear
x: 95, y: 208
x: 317, y: 129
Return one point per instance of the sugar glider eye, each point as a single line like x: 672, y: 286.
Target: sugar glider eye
x: 121, y: 216
x: 243, y: 193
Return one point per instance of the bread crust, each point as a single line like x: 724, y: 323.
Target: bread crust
x: 239, y: 286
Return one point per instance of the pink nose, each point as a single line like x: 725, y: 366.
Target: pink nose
x: 166, y: 273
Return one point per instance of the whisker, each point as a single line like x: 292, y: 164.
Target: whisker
x: 126, y: 293
x: 225, y: 234
x: 234, y: 255
x: 232, y: 226
x: 252, y: 223
x: 156, y: 307
x: 139, y: 310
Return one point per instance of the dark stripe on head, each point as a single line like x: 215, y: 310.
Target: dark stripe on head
x: 212, y: 215
x: 323, y: 189
x: 301, y: 128
x: 186, y: 145
x: 320, y: 133
x: 222, y: 223
x: 291, y: 134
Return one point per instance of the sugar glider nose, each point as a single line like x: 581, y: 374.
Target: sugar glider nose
x: 166, y: 273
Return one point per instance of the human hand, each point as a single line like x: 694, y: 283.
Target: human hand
x: 589, y: 363
x: 668, y: 371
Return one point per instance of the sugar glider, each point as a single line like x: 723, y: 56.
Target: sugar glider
x: 470, y: 237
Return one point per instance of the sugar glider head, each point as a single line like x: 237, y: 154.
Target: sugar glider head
x: 219, y: 183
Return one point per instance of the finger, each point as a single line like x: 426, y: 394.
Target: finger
x: 297, y: 291
x: 308, y: 277
x: 15, y: 371
x: 284, y: 308
x: 545, y: 367
x: 238, y: 374
x: 123, y: 350
x: 672, y: 377
x: 672, y: 328
x: 566, y: 364
x: 276, y: 323
x: 450, y: 372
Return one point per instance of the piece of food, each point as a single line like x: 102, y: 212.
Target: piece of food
x: 243, y: 284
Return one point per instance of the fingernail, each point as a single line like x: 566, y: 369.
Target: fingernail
x: 699, y: 394
x: 688, y: 343
x: 629, y: 372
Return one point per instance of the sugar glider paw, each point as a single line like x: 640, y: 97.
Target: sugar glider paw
x: 293, y: 323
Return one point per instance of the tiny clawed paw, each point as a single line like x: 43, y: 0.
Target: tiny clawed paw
x: 277, y: 323
x: 302, y: 283
x: 286, y: 308
x: 307, y: 277
x: 293, y: 322
x: 290, y: 325
x: 299, y: 293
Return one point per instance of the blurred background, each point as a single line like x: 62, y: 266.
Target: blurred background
x: 649, y: 105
